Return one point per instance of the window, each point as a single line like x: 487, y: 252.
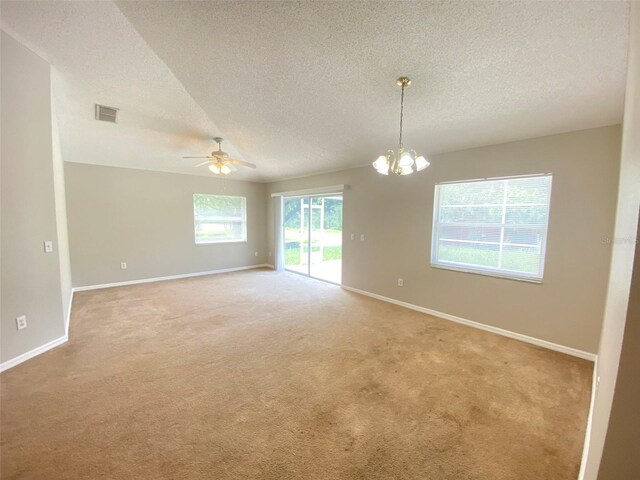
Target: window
x: 497, y: 227
x: 219, y: 218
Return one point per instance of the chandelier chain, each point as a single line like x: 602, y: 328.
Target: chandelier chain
x: 401, y: 113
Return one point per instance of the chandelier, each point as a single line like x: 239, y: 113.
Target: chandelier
x: 401, y: 162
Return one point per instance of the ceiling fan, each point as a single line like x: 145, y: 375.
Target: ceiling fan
x: 220, y: 162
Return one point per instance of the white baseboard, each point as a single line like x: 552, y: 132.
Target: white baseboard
x: 68, y: 318
x: 54, y: 343
x: 32, y: 353
x: 506, y: 333
x: 169, y: 277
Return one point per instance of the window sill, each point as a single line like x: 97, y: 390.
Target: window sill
x: 487, y: 274
x: 223, y: 242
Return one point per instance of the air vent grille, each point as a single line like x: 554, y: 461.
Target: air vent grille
x: 106, y: 114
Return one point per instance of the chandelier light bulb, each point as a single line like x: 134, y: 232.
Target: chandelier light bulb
x: 406, y: 170
x: 381, y: 162
x: 421, y: 163
x: 406, y: 159
x: 225, y: 170
x: 214, y: 169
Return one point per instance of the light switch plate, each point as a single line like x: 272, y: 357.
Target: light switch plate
x: 48, y: 246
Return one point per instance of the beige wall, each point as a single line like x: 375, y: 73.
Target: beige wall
x: 31, y: 282
x: 620, y: 298
x: 395, y: 214
x: 145, y: 218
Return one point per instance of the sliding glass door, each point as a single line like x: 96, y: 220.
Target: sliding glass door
x: 295, y: 215
x: 313, y: 236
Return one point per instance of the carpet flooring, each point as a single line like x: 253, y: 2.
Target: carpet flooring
x: 265, y: 375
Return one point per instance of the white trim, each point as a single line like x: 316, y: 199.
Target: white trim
x: 587, y: 433
x: 168, y: 277
x: 312, y: 191
x: 505, y: 333
x: 32, y: 353
x: 487, y: 273
x: 68, y: 319
x: 484, y: 179
x: 219, y: 242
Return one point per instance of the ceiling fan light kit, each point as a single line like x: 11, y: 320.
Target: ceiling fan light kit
x: 219, y: 161
x: 402, y: 161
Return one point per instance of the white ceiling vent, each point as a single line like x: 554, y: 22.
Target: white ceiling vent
x: 106, y: 114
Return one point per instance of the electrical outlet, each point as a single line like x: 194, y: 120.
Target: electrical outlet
x: 362, y: 237
x: 269, y: 253
x: 255, y: 254
x: 21, y: 322
x: 48, y: 246
x: 400, y: 282
x: 123, y: 265
x: 353, y: 237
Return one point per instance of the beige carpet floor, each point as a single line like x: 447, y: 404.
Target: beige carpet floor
x: 261, y: 375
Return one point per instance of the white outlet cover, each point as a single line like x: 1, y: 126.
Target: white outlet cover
x: 123, y: 265
x: 255, y: 253
x: 353, y: 237
x: 400, y: 282
x: 48, y: 246
x: 362, y: 237
x: 21, y: 322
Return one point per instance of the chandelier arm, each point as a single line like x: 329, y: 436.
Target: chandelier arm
x: 391, y: 155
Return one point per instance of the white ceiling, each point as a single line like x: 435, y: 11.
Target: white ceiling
x: 98, y: 57
x: 305, y: 87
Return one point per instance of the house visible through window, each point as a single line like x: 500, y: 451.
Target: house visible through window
x: 219, y: 218
x: 496, y: 226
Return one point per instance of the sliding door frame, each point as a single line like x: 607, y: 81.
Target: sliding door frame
x: 309, y: 229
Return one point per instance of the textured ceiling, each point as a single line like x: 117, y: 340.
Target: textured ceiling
x: 98, y: 57
x: 304, y: 87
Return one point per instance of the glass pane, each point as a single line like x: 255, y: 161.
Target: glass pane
x: 476, y: 234
x: 526, y: 215
x: 326, y: 238
x: 295, y: 216
x: 495, y: 225
x: 462, y: 214
x: 472, y: 193
x: 528, y: 190
x: 219, y: 218
x: 530, y: 237
x: 521, y: 259
x: 469, y: 253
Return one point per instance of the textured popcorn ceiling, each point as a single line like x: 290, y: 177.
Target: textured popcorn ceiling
x: 304, y: 87
x: 98, y: 57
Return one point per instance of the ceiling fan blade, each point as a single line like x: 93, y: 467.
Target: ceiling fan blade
x: 243, y: 163
x: 196, y: 157
x: 201, y: 164
x: 233, y: 167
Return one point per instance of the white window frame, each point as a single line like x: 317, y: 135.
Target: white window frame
x: 215, y: 242
x: 485, y: 270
